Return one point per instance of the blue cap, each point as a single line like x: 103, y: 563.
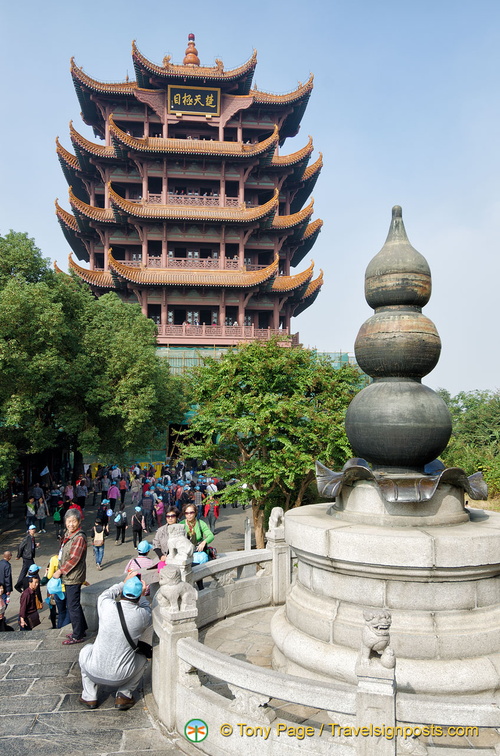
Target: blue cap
x: 132, y: 588
x: 34, y: 568
x: 105, y: 501
x: 32, y: 527
x: 138, y: 509
x: 144, y: 547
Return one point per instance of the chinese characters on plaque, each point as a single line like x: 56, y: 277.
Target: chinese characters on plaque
x: 195, y: 100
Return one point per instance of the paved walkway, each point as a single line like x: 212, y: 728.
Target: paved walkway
x: 229, y: 536
x: 40, y: 678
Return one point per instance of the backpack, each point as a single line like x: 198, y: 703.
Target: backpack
x: 98, y: 538
x: 118, y: 519
x: 57, y: 516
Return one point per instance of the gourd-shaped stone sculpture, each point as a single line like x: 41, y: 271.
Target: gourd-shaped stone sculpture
x: 396, y: 423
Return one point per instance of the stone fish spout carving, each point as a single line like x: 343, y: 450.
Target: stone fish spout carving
x: 376, y: 638
x: 399, y: 488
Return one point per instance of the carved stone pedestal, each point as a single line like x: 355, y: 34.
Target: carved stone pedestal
x: 440, y: 583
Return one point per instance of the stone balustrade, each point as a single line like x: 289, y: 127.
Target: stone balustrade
x: 185, y: 673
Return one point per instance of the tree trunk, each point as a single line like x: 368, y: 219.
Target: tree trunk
x: 258, y: 525
x: 303, y: 487
x: 77, y: 465
x: 26, y: 478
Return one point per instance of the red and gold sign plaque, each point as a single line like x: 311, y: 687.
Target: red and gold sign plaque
x: 193, y: 100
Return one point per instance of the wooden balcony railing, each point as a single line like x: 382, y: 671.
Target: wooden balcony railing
x: 208, y: 332
x: 206, y: 263
x: 190, y: 199
x: 204, y: 200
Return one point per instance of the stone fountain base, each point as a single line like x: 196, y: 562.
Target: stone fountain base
x: 440, y: 582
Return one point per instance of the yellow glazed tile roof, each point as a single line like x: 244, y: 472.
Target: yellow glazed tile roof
x: 314, y: 168
x: 314, y: 285
x: 288, y: 283
x: 303, y: 90
x: 68, y: 158
x: 101, y: 278
x: 312, y: 228
x: 100, y: 214
x: 192, y: 212
x: 199, y: 72
x: 99, y: 150
x: 122, y: 87
x: 195, y: 277
x: 163, y: 145
x: 289, y: 221
x: 295, y: 157
x: 68, y: 219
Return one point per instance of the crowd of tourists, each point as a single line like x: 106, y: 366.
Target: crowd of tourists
x: 157, y: 501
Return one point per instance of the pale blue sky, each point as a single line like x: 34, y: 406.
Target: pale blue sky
x: 405, y: 108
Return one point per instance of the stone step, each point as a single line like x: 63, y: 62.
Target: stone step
x: 40, y: 685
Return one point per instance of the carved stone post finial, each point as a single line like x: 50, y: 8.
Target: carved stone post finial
x: 376, y: 693
x: 174, y: 617
x: 281, y: 567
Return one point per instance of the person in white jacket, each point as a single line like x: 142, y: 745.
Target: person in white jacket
x: 111, y: 660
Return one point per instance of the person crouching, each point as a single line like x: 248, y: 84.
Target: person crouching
x: 111, y: 660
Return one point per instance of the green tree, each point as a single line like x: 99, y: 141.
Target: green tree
x: 74, y: 370
x: 474, y: 443
x: 130, y: 395
x: 36, y: 352
x: 264, y: 414
x: 20, y: 259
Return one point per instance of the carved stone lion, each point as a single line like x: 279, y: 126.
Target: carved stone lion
x: 276, y: 517
x: 376, y: 638
x: 180, y: 548
x: 174, y: 594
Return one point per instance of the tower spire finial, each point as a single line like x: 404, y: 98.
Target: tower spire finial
x: 396, y: 422
x: 191, y: 56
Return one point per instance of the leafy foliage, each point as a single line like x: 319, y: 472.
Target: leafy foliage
x: 74, y: 370
x: 474, y: 444
x: 131, y: 395
x: 21, y: 260
x: 265, y: 413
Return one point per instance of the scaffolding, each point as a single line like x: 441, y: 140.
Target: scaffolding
x: 182, y: 359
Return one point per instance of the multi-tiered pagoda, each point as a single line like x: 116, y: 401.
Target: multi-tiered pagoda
x: 187, y: 206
